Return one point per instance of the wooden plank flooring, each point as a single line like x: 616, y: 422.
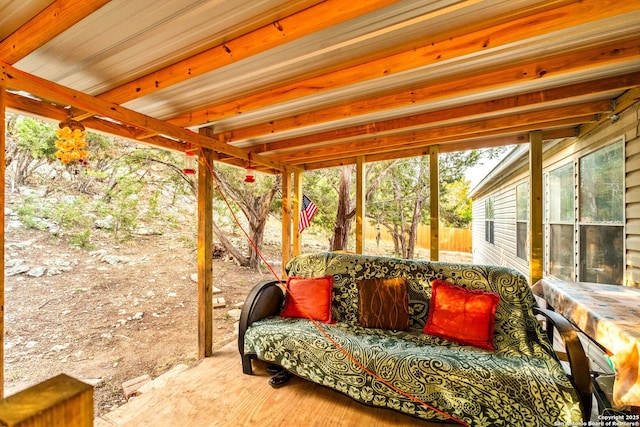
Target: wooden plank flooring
x: 215, y: 392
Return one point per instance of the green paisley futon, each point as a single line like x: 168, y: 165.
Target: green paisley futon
x: 519, y: 383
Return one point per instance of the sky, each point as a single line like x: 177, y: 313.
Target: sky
x: 478, y: 172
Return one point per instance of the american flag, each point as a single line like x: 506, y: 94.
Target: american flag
x: 306, y: 213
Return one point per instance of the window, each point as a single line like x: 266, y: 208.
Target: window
x: 601, y: 250
x: 522, y: 219
x: 561, y: 202
x: 601, y: 216
x: 488, y: 220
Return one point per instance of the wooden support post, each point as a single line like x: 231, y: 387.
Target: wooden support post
x: 361, y: 207
x: 61, y: 401
x: 205, y: 252
x: 286, y: 220
x: 297, y: 203
x: 434, y: 201
x: 3, y: 97
x: 535, y: 207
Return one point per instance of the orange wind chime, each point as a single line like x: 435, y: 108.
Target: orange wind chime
x: 71, y: 143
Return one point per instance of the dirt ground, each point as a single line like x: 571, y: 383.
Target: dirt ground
x: 111, y: 314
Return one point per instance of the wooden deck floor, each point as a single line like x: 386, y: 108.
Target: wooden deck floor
x: 215, y: 392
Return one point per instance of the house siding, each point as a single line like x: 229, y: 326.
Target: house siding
x: 503, y: 250
x: 557, y: 154
x: 630, y: 124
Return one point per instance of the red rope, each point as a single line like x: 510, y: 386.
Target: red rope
x: 235, y: 218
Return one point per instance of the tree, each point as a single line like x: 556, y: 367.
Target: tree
x: 421, y: 188
x: 455, y: 205
x: 126, y: 173
x: 407, y: 182
x: 345, y: 211
x: 321, y: 186
x: 31, y: 144
x: 133, y: 174
x: 333, y: 190
x: 403, y: 199
x: 104, y: 152
x: 255, y: 201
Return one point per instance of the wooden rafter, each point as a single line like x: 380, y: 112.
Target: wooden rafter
x: 518, y: 137
x: 559, y: 65
x: 15, y: 79
x: 44, y: 109
x: 418, y: 140
x: 626, y: 100
x: 561, y: 116
x: 437, y: 50
x: 533, y: 100
x: 462, y: 145
x: 285, y: 30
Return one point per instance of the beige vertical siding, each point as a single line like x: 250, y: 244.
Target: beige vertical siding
x: 503, y: 250
x: 630, y: 127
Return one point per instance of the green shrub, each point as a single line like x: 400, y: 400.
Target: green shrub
x: 30, y: 213
x: 82, y: 239
x: 124, y: 206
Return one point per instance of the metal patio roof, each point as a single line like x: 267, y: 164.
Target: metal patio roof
x: 313, y: 84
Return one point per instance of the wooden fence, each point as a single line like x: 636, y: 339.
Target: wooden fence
x: 451, y: 239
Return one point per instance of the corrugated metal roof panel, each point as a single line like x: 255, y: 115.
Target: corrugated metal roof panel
x: 126, y: 39
x: 15, y: 13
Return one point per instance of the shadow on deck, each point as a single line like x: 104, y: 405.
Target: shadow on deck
x: 215, y: 392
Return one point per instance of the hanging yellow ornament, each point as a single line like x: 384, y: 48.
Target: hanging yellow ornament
x: 71, y: 142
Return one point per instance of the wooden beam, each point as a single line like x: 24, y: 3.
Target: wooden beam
x: 25, y: 105
x: 518, y: 138
x: 56, y: 18
x: 361, y: 202
x: 538, y: 100
x: 3, y: 135
x: 535, y: 207
x: 461, y: 145
x: 437, y: 49
x: 460, y: 140
x: 285, y: 30
x: 16, y: 79
x: 205, y: 253
x: 297, y: 204
x: 286, y: 220
x: 444, y: 134
x: 434, y: 202
x: 455, y: 86
x: 61, y: 401
x: 624, y: 101
x: 29, y: 106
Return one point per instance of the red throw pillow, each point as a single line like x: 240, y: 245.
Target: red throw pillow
x: 466, y: 316
x: 309, y: 297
